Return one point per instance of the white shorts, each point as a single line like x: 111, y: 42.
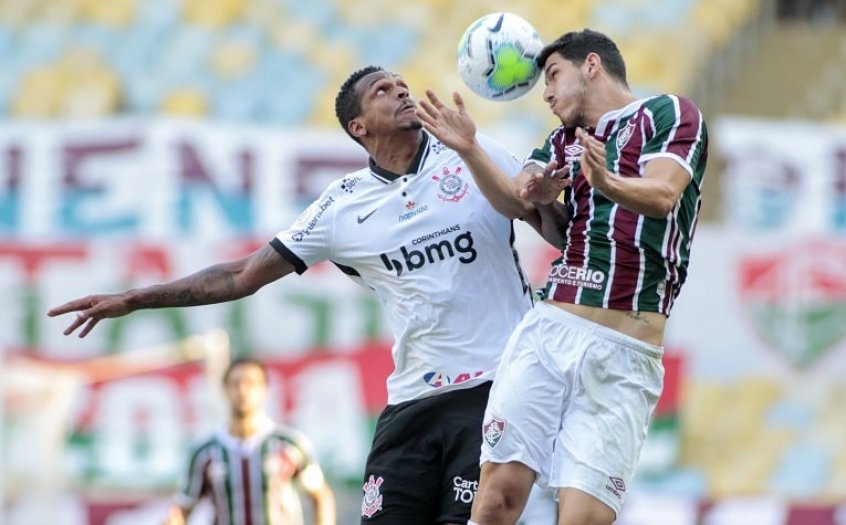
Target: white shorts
x: 572, y: 400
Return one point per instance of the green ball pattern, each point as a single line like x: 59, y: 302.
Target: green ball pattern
x: 510, y: 68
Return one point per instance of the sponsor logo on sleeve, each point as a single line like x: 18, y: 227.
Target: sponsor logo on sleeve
x: 349, y: 183
x: 310, y: 217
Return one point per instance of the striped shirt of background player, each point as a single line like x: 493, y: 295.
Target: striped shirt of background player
x: 649, y: 276
x: 247, y: 485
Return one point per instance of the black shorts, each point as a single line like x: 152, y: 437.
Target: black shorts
x: 423, y: 468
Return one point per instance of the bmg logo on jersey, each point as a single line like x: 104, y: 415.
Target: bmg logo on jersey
x: 413, y: 259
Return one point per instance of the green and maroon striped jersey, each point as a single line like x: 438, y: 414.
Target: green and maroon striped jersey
x: 612, y: 257
x: 249, y: 481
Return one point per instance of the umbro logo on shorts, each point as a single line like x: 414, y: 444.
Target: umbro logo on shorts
x: 617, y: 486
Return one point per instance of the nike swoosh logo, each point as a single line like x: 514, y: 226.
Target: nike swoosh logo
x: 498, y: 26
x: 362, y: 219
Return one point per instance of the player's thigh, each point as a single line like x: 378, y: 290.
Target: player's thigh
x: 577, y: 507
x: 462, y: 439
x: 602, y: 433
x: 527, y: 400
x: 402, y: 473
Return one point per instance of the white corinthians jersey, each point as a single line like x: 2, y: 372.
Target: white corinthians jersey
x: 438, y: 255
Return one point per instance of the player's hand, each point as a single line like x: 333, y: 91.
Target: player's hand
x: 175, y: 516
x: 453, y: 127
x: 91, y: 309
x: 545, y: 186
x: 593, y: 160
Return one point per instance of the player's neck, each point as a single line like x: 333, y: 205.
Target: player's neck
x: 395, y: 152
x: 614, y: 96
x: 244, y: 427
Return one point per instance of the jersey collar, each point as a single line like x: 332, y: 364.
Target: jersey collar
x: 264, y: 429
x: 387, y: 176
x: 607, y: 121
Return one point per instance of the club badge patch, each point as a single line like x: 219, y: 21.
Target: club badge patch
x: 372, y: 502
x: 451, y: 187
x: 625, y: 134
x: 493, y: 430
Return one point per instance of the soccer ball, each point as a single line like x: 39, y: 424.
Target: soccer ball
x: 496, y: 56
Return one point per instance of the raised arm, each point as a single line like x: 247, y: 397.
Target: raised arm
x: 653, y: 195
x: 215, y: 284
x: 508, y: 195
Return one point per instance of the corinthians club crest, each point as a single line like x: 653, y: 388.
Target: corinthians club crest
x: 372, y: 501
x: 451, y: 187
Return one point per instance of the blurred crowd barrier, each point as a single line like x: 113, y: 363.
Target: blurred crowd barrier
x: 281, y: 61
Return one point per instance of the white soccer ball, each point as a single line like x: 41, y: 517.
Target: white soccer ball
x: 496, y: 56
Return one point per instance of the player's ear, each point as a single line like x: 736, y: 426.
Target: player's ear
x: 592, y: 64
x: 357, y: 128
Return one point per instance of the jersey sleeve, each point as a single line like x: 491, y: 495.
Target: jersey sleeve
x: 301, y: 452
x: 545, y: 153
x: 308, y: 240
x: 502, y: 157
x: 194, y: 483
x: 679, y: 133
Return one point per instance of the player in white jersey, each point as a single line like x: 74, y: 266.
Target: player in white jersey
x: 415, y: 228
x: 249, y: 469
x: 571, y: 408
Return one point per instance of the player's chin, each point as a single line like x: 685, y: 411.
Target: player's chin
x: 412, y: 124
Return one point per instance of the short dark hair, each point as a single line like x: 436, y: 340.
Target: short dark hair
x: 348, y: 102
x: 576, y: 45
x: 244, y: 361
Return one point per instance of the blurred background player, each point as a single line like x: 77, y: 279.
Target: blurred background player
x: 252, y: 469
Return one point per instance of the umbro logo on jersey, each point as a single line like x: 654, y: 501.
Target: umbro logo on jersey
x: 362, y: 219
x: 461, y: 246
x: 573, y: 152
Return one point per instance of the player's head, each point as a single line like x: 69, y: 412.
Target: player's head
x: 572, y: 63
x: 373, y: 100
x: 576, y: 46
x: 245, y: 386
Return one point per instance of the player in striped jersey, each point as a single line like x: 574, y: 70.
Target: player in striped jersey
x: 249, y: 469
x: 582, y: 372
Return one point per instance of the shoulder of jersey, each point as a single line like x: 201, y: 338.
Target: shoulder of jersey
x: 351, y: 183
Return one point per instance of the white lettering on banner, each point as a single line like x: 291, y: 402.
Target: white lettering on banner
x: 162, y: 178
x: 138, y: 414
x: 142, y: 425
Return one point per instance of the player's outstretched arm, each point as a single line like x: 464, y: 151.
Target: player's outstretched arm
x: 543, y: 186
x: 215, y: 284
x: 456, y: 130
